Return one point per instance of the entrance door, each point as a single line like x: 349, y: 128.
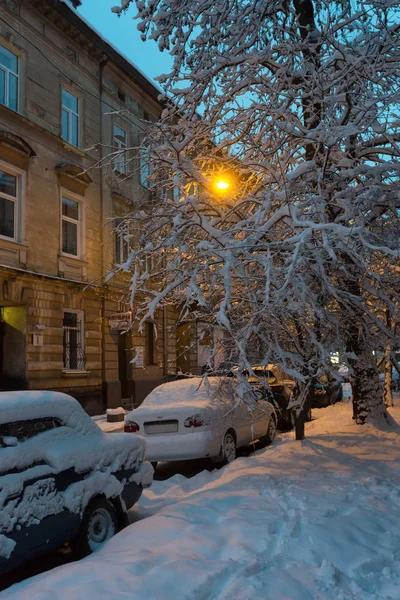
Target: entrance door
x: 13, y: 348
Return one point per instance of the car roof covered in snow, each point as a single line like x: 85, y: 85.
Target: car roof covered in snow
x: 30, y: 404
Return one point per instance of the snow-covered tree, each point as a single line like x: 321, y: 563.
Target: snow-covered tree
x: 295, y: 105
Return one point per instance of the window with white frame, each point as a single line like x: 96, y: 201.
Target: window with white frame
x: 73, y: 341
x: 9, y: 76
x: 120, y: 143
x: 71, y: 226
x: 145, y: 168
x: 70, y: 118
x: 122, y: 246
x: 10, y: 202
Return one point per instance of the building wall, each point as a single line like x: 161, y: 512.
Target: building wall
x: 37, y: 282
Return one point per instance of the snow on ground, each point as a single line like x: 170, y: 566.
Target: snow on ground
x: 311, y: 520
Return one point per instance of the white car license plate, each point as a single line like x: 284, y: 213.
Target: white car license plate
x: 161, y: 427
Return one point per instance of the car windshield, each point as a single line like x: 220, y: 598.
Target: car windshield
x: 259, y: 374
x: 24, y: 430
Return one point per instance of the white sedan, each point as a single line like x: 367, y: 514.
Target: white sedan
x: 199, y: 418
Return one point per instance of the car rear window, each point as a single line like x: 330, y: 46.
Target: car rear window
x: 262, y: 373
x: 24, y: 430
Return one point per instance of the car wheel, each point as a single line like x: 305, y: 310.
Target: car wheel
x: 271, y: 432
x: 99, y: 524
x: 228, y: 451
x: 154, y: 465
x: 337, y: 396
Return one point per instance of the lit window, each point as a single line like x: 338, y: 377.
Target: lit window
x: 73, y: 341
x: 71, y: 227
x: 9, y: 67
x: 70, y: 118
x: 122, y: 248
x: 120, y: 145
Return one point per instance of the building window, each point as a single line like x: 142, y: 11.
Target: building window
x: 120, y: 145
x: 71, y: 227
x: 147, y: 263
x: 122, y: 248
x: 145, y: 169
x: 150, y: 346
x: 73, y: 341
x: 9, y: 68
x: 70, y: 118
x: 10, y: 184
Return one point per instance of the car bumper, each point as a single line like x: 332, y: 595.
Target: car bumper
x: 187, y: 446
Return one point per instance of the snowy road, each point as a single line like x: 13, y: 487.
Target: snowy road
x: 313, y: 520
x: 165, y: 471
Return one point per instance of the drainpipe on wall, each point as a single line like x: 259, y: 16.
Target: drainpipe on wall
x: 165, y: 348
x: 102, y: 64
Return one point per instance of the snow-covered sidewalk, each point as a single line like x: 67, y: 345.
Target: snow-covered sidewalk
x: 315, y: 520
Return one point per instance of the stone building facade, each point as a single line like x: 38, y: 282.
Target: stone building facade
x: 68, y: 100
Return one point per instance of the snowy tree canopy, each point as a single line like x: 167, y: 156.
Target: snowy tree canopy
x: 296, y: 105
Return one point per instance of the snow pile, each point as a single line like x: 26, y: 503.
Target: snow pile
x: 318, y: 519
x: 115, y: 411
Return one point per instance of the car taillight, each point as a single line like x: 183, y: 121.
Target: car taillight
x: 194, y: 421
x: 131, y: 427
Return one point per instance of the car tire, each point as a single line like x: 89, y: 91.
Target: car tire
x: 99, y: 524
x: 154, y: 465
x: 337, y: 396
x: 271, y: 432
x: 228, y: 449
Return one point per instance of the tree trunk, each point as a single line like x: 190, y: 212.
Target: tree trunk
x: 367, y: 390
x: 387, y: 387
x: 305, y: 398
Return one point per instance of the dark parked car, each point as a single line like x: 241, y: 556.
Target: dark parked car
x: 61, y: 478
x: 278, y: 388
x: 326, y: 392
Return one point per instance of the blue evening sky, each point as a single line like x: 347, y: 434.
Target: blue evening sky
x: 123, y: 34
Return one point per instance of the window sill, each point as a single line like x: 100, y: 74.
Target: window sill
x: 12, y: 242
x: 72, y: 373
x: 120, y: 174
x: 71, y: 147
x: 72, y: 257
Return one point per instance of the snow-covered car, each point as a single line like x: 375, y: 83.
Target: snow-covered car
x: 200, y: 418
x: 61, y: 478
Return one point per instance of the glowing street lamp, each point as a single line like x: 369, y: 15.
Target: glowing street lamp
x: 221, y: 185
